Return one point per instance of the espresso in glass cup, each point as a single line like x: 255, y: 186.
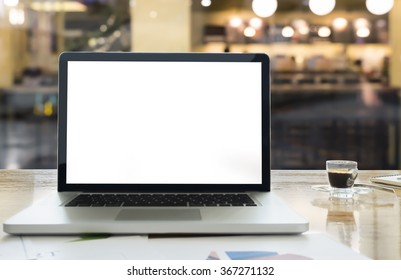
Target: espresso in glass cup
x: 342, y: 175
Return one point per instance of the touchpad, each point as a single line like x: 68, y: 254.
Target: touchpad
x: 159, y: 215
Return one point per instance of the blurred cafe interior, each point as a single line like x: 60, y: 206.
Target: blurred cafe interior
x: 335, y: 68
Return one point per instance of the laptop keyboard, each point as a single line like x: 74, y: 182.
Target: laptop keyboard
x: 154, y: 200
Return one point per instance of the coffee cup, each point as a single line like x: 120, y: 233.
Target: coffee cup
x: 341, y: 175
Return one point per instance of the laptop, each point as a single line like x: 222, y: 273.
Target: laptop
x: 164, y: 143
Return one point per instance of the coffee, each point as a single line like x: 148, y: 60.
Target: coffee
x: 341, y: 178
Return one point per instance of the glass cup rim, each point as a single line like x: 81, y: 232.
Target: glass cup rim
x: 334, y: 161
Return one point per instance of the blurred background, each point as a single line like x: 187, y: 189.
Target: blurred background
x: 336, y: 68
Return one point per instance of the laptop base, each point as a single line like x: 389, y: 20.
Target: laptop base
x: 275, y: 218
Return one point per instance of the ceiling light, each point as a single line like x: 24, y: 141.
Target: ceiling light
x: 363, y: 32
x: 92, y: 42
x: 299, y: 22
x: 340, y: 24
x: 235, y: 22
x: 103, y: 28
x: 11, y: 3
x: 264, y: 8
x: 117, y: 33
x: 324, y: 32
x: 256, y: 22
x: 57, y: 6
x: 321, y: 7
x: 287, y: 32
x: 16, y: 16
x: 301, y: 26
x: 249, y: 31
x: 379, y: 7
x: 304, y: 30
x: 360, y: 23
x: 206, y: 3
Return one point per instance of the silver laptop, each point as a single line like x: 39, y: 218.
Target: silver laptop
x: 162, y: 143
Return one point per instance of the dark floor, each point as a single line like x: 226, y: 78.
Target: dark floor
x: 305, y: 137
x: 28, y: 143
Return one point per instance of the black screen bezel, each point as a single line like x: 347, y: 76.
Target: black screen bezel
x: 169, y: 57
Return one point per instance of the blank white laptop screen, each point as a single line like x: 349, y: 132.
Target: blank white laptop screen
x: 144, y: 122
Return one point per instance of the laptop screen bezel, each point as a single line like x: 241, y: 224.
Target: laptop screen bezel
x: 169, y: 57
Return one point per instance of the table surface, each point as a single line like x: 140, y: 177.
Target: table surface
x: 369, y: 223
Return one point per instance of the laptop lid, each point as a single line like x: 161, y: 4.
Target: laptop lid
x: 164, y: 122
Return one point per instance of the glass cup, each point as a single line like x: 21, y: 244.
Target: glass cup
x: 342, y: 175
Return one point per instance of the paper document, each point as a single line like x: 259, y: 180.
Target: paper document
x: 12, y: 248
x: 311, y: 246
x: 294, y: 247
x: 87, y: 247
x: 392, y: 180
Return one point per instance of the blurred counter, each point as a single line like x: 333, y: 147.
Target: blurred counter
x: 27, y: 100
